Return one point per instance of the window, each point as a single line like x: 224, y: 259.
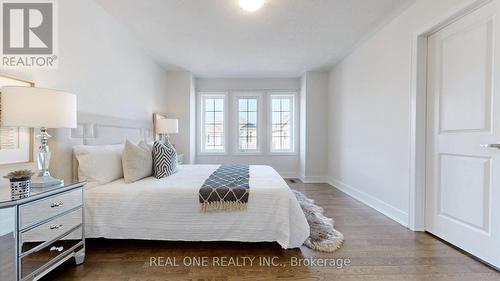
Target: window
x: 212, y: 125
x: 247, y: 124
x: 282, y: 123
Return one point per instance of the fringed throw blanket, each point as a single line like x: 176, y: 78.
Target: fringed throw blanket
x: 323, y: 236
x: 226, y: 189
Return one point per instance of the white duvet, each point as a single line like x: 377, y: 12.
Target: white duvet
x: 168, y: 209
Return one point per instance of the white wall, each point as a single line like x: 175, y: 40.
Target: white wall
x: 102, y: 65
x: 192, y: 120
x: 369, y: 101
x: 314, y: 127
x: 217, y: 84
x: 180, y: 103
x: 287, y: 166
x: 303, y: 118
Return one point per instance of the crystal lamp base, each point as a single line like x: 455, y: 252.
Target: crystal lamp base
x: 45, y: 181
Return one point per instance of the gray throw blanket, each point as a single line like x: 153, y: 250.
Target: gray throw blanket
x: 226, y: 189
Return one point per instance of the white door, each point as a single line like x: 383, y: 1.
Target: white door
x: 463, y: 178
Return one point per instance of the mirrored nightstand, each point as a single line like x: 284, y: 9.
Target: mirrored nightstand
x: 180, y: 159
x: 40, y: 231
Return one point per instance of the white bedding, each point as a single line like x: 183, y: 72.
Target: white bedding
x: 168, y: 209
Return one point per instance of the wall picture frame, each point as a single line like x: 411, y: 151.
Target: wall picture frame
x: 16, y: 144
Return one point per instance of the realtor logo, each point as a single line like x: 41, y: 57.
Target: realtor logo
x: 28, y: 34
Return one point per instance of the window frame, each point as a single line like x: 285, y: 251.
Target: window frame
x: 202, y: 96
x: 293, y: 126
x: 236, y: 96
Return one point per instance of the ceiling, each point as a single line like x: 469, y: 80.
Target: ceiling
x: 215, y: 38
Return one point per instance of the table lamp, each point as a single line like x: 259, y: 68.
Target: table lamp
x: 165, y: 127
x: 38, y: 108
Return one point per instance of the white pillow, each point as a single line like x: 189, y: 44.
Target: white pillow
x: 137, y: 161
x: 100, y: 163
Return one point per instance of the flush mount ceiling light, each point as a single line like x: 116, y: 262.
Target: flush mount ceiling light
x: 251, y: 5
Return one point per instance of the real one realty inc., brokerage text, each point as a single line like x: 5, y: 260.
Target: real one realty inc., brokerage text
x: 242, y: 261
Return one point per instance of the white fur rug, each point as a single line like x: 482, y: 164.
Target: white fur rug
x: 323, y: 236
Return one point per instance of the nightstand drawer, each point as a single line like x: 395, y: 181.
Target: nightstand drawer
x: 47, y: 208
x: 37, y: 260
x: 49, y: 230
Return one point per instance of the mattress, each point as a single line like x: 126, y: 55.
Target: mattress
x: 168, y: 209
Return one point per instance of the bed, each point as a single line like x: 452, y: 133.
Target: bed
x: 168, y: 209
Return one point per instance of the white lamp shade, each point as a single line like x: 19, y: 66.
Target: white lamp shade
x: 167, y: 126
x: 37, y: 107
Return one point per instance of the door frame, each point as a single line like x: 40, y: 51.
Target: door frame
x: 418, y: 110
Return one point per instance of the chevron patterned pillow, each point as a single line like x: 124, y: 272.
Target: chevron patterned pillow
x: 164, y: 159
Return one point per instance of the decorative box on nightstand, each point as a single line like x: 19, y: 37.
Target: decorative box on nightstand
x: 41, y: 231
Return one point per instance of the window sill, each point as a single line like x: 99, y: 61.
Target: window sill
x: 289, y: 153
x: 212, y: 154
x: 250, y: 153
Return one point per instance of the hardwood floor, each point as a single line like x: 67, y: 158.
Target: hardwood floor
x: 377, y: 248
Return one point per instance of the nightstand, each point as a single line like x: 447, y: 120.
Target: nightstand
x: 180, y: 159
x: 41, y: 231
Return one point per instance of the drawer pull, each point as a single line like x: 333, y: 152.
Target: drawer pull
x: 54, y: 248
x: 56, y: 226
x: 56, y: 204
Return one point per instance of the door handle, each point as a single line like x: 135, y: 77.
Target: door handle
x: 491, y: 145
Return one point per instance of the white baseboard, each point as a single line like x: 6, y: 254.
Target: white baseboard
x: 390, y: 211
x: 289, y: 175
x: 313, y: 179
x: 304, y: 179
